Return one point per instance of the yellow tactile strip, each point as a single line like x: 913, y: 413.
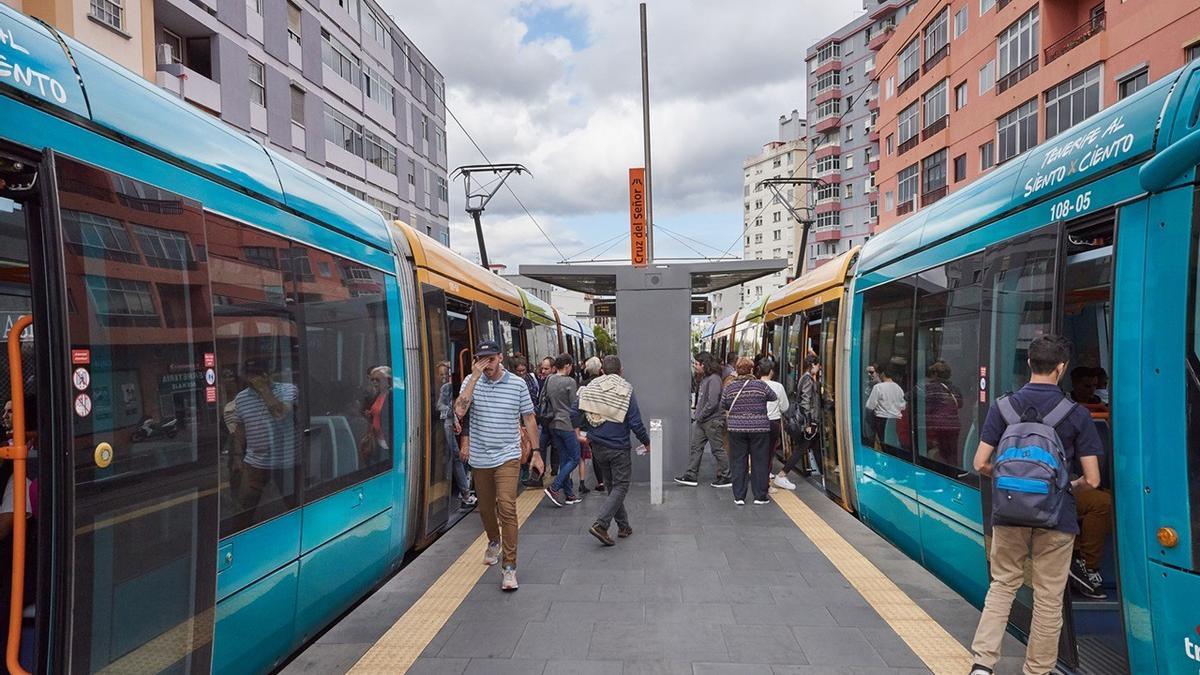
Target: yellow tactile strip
x: 408, y: 637
x: 928, y: 640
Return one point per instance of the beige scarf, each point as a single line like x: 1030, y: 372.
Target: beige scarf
x: 606, y: 399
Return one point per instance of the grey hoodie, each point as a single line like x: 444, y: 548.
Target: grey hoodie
x: 708, y: 400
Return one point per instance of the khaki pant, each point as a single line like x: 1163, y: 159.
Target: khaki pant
x: 1095, y: 514
x: 496, y: 489
x: 1050, y: 564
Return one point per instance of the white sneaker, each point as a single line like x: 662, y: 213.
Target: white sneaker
x: 492, y: 555
x: 783, y: 482
x: 740, y: 502
x: 508, y: 579
x: 470, y: 500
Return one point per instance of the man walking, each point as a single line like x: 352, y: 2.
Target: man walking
x: 560, y: 391
x: 498, y: 402
x: 708, y: 427
x: 610, y: 413
x: 1038, y: 404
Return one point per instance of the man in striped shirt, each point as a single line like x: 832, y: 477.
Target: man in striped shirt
x: 498, y: 402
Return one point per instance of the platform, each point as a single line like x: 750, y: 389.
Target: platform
x: 702, y: 586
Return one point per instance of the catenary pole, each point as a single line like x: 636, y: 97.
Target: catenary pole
x: 646, y: 137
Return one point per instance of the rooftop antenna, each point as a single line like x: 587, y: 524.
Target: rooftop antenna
x: 479, y: 194
x: 813, y: 184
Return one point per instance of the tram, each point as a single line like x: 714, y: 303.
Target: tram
x: 158, y: 268
x: 1092, y: 235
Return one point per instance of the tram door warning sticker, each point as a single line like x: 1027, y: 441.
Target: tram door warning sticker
x: 83, y: 405
x: 81, y: 357
x: 80, y: 379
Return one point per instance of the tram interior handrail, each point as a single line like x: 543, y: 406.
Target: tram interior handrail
x: 18, y: 452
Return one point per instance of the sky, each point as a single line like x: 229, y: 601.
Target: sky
x: 556, y: 86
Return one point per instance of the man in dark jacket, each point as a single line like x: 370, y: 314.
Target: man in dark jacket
x: 708, y: 427
x: 600, y: 406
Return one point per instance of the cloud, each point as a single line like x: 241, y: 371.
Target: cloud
x: 555, y: 85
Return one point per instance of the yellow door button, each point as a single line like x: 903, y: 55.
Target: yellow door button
x: 103, y: 455
x: 1168, y: 537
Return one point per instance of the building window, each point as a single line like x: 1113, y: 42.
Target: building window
x: 890, y: 143
x: 777, y: 235
x: 340, y: 59
x: 164, y: 248
x: 1017, y: 49
x: 758, y: 238
x: 258, y: 82
x: 1016, y: 131
x: 377, y: 29
x: 344, y: 132
x: 828, y: 164
x: 176, y: 44
x: 1128, y: 86
x: 128, y: 298
x: 825, y: 193
x: 937, y: 38
x: 910, y: 64
x: 987, y: 77
x: 873, y: 211
x: 985, y: 5
x: 1192, y: 53
x: 909, y: 125
x: 443, y: 190
x: 848, y: 191
x: 351, y: 7
x: 829, y: 108
x: 293, y: 23
x: 891, y: 86
x: 849, y: 134
x: 377, y: 88
x: 828, y: 80
x: 108, y: 12
x: 776, y: 217
x: 906, y: 184
x: 889, y: 200
x: 960, y: 168
x: 960, y: 21
x: 829, y: 219
x: 379, y: 152
x: 255, y: 6
x: 1069, y: 103
x: 828, y: 52
x: 960, y: 96
x: 987, y: 155
x: 412, y: 173
x: 297, y: 105
x: 934, y: 103
x: 849, y: 162
x: 933, y: 170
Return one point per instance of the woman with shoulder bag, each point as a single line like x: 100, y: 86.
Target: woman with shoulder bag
x: 808, y: 407
x: 745, y: 400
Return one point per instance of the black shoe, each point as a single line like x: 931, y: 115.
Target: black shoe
x: 583, y: 489
x: 1084, y: 581
x: 977, y: 669
x: 575, y: 499
x: 685, y: 480
x: 601, y: 534
x: 600, y: 487
x: 721, y: 483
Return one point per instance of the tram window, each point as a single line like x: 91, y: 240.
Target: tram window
x: 1020, y: 283
x: 947, y: 363
x: 887, y: 346
x: 261, y: 393
x: 347, y: 372
x: 511, y: 333
x: 794, y: 353
x: 484, y: 324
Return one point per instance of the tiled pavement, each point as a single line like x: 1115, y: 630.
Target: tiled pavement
x: 703, y: 586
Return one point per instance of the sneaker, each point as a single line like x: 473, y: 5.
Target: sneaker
x: 721, y: 483
x: 782, y: 481
x: 577, y: 499
x: 599, y: 487
x: 601, y: 534
x: 977, y: 669
x: 470, y: 500
x: 762, y: 501
x: 771, y: 489
x: 1083, y: 582
x: 492, y: 555
x: 508, y: 579
x: 682, y: 480
x: 740, y: 502
x: 624, y: 532
x: 556, y: 496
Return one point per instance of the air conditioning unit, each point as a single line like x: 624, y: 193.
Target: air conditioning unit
x: 164, y: 54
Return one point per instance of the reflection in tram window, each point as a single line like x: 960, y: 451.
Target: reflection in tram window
x: 887, y: 344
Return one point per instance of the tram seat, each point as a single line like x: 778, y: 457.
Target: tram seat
x: 332, y: 451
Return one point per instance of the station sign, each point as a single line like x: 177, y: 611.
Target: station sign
x: 701, y: 307
x: 638, y: 236
x: 604, y: 308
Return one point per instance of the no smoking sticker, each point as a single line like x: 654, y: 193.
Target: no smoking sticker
x: 80, y: 379
x: 83, y: 405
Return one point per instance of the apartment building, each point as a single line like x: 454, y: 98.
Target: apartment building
x: 843, y: 141
x: 770, y: 230
x: 333, y: 84
x: 969, y: 84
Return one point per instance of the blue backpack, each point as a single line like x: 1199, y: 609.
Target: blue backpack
x: 1030, y: 477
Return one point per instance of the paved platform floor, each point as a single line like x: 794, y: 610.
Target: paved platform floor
x: 703, y: 586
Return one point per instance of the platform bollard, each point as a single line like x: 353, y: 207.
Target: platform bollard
x: 656, y: 461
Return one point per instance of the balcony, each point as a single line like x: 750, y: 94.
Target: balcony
x: 873, y: 197
x: 886, y: 7
x: 833, y: 233
x: 878, y: 40
x: 937, y: 125
x: 189, y: 85
x: 1017, y: 74
x: 908, y: 82
x: 1076, y: 37
x: 829, y: 94
x: 832, y: 178
x: 873, y: 136
x: 828, y: 124
x: 905, y: 208
x: 933, y: 195
x: 873, y: 104
x: 909, y: 144
x: 873, y: 164
x: 828, y: 66
x: 828, y: 206
x: 936, y: 58
x: 826, y: 151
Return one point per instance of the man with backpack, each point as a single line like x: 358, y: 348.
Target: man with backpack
x: 555, y: 406
x: 1028, y: 444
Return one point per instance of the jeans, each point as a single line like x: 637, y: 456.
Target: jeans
x: 1050, y: 551
x: 497, y: 492
x: 613, y: 466
x: 749, y: 452
x: 567, y: 446
x: 458, y: 470
x: 711, y: 431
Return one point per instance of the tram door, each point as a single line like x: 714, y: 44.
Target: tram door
x: 138, y: 433
x: 435, y: 497
x: 830, y: 459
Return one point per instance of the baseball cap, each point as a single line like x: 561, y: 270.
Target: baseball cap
x: 487, y: 348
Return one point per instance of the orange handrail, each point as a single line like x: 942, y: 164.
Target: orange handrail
x: 17, y: 452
